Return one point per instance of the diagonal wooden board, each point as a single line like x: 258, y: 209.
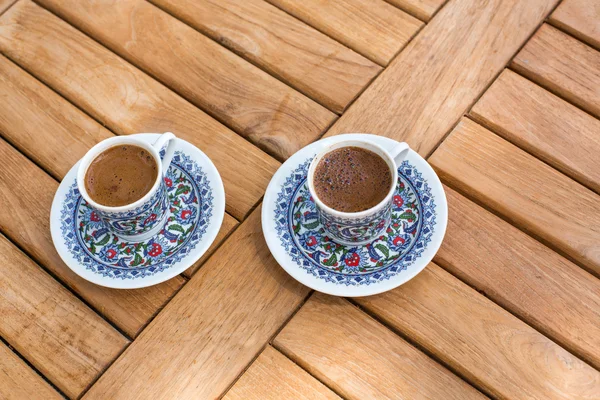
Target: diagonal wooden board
x: 441, y: 73
x: 422, y: 9
x: 581, y: 18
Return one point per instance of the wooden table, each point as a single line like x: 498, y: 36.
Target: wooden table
x: 501, y: 96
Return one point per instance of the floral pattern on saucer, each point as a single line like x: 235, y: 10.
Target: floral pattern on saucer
x: 190, y: 208
x: 304, y: 239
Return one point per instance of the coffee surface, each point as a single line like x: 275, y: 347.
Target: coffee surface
x: 352, y: 179
x: 120, y: 175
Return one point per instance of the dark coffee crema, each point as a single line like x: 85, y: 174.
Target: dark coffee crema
x: 352, y: 179
x: 121, y: 175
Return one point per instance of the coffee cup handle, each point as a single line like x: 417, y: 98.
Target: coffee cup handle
x: 400, y: 152
x: 158, y: 145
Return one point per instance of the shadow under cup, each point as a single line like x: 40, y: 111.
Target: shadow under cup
x: 357, y: 228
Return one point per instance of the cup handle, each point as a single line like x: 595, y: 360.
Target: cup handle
x: 400, y: 152
x: 158, y: 145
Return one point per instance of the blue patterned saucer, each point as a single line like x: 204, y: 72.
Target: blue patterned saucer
x: 298, y: 242
x: 196, y: 209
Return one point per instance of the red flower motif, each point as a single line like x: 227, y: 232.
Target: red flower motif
x: 152, y: 217
x: 185, y: 214
x: 94, y: 217
x: 410, y: 220
x: 155, y: 251
x: 398, y: 239
x: 168, y: 182
x: 398, y: 201
x: 180, y: 185
x: 352, y: 260
x: 128, y: 250
x: 111, y: 253
x: 306, y: 213
x: 311, y: 241
x: 381, y: 237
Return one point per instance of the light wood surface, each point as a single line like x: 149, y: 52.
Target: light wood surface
x: 361, y: 359
x: 581, y: 18
x: 273, y: 376
x: 26, y: 195
x: 19, y: 382
x: 206, y: 336
x: 544, y: 125
x: 127, y: 100
x: 433, y: 82
x: 51, y: 328
x: 422, y: 9
x: 564, y: 65
x: 228, y: 225
x: 551, y: 294
x: 270, y: 114
x: 484, y: 343
x: 373, y: 28
x: 5, y: 4
x: 33, y: 114
x: 285, y: 47
x: 528, y: 192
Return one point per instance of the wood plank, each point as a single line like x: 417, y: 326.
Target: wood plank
x: 544, y: 125
x: 273, y: 376
x: 297, y: 54
x: 545, y: 290
x: 564, y: 66
x: 18, y: 381
x: 441, y: 73
x: 32, y: 113
x: 373, y: 28
x: 212, y: 329
x: 523, y: 189
x: 482, y: 341
x: 51, y: 328
x: 5, y: 4
x: 228, y: 225
x: 26, y: 195
x: 127, y: 100
x: 581, y: 18
x: 269, y: 113
x: 361, y: 359
x: 422, y: 9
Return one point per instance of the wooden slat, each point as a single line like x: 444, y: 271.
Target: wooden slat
x: 299, y: 55
x: 212, y: 329
x: 18, y: 381
x: 482, y: 341
x: 564, y: 65
x: 544, y: 125
x: 228, y: 225
x: 127, y: 100
x: 526, y: 191
x: 51, y: 328
x: 422, y: 9
x: 256, y: 105
x: 441, y: 73
x: 361, y: 359
x: 4, y: 4
x: 531, y: 281
x: 373, y: 28
x: 581, y: 18
x: 273, y: 376
x: 26, y: 194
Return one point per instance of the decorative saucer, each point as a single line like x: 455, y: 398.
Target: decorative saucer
x: 297, y: 240
x: 197, y: 206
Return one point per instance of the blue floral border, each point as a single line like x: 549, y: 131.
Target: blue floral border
x: 283, y: 208
x: 69, y: 231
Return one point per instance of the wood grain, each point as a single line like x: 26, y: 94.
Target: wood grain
x: 212, y: 329
x: 545, y: 290
x: 481, y: 341
x: 18, y: 381
x: 361, y: 359
x: 51, y: 328
x: 373, y: 28
x: 563, y: 65
x: 297, y: 54
x: 243, y: 97
x: 544, y: 125
x: 273, y: 376
x: 26, y: 194
x: 5, y: 4
x: 523, y: 189
x: 440, y: 74
x: 581, y: 18
x: 422, y: 9
x: 228, y: 225
x: 127, y: 100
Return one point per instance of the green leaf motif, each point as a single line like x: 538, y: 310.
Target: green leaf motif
x: 181, y: 190
x: 407, y: 215
x: 383, y: 249
x: 297, y: 228
x: 137, y: 260
x: 176, y: 227
x: 331, y: 261
x: 104, y: 240
x: 312, y: 225
x: 93, y: 249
